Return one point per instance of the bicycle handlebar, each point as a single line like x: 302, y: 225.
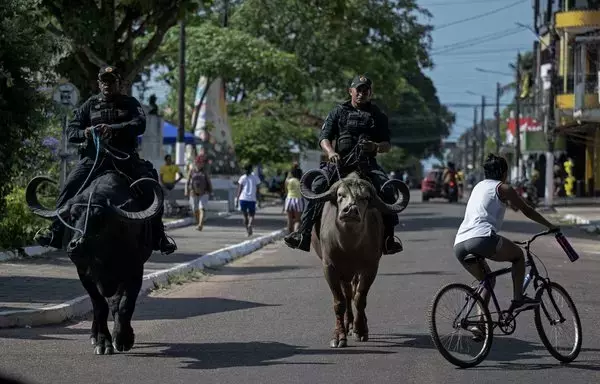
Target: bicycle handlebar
x: 547, y: 232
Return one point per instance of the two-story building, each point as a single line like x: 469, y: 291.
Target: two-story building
x: 577, y: 97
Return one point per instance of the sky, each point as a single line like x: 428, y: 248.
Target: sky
x: 490, y: 40
x: 455, y: 75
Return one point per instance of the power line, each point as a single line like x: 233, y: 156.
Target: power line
x: 477, y: 40
x: 456, y: 3
x: 485, y: 51
x: 478, y: 16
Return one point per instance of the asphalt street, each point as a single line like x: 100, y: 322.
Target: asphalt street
x: 268, y: 318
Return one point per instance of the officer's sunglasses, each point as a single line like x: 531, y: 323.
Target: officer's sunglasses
x: 107, y: 80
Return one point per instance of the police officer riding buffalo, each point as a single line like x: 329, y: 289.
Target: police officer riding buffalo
x: 348, y: 123
x: 119, y: 119
x: 112, y: 204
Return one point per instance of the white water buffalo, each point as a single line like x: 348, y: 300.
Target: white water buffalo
x: 112, y: 241
x: 348, y: 240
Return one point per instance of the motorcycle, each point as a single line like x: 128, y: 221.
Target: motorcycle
x: 452, y: 192
x: 527, y: 190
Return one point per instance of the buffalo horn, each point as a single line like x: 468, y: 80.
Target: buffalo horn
x: 401, y: 202
x: 33, y: 201
x: 147, y: 213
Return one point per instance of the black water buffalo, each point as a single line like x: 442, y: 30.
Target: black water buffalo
x: 347, y: 239
x: 111, y: 241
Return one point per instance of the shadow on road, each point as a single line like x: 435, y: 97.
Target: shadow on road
x: 34, y: 289
x: 250, y: 270
x: 250, y: 354
x: 503, y: 355
x: 171, y: 308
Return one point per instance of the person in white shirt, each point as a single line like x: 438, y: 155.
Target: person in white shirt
x: 247, y: 196
x: 477, y: 234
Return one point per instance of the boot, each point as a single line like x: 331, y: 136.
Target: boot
x: 51, y: 236
x: 390, y: 245
x: 164, y: 244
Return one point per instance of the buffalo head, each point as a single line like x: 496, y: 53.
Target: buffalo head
x: 354, y: 196
x: 87, y: 212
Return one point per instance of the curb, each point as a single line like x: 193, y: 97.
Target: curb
x: 587, y: 225
x: 37, y: 250
x: 82, y: 305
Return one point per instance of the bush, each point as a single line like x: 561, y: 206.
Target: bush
x: 19, y: 224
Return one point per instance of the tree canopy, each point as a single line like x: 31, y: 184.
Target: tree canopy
x: 306, y: 52
x: 27, y: 54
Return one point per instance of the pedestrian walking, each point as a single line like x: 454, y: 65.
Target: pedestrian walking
x: 247, y: 196
x: 294, y: 202
x: 198, y: 187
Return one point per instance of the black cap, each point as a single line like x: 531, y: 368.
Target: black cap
x: 361, y: 80
x: 109, y: 70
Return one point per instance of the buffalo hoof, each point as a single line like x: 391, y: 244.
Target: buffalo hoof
x: 342, y: 343
x: 93, y: 340
x: 104, y: 350
x: 124, y: 341
x: 358, y: 337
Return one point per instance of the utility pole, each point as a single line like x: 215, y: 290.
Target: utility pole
x: 482, y: 132
x: 466, y: 151
x: 180, y: 147
x: 518, y: 118
x: 474, y: 139
x: 550, y: 125
x: 498, y: 94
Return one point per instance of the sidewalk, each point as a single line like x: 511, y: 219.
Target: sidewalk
x: 586, y: 216
x: 51, y: 279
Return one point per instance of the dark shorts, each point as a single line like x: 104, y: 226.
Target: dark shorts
x: 248, y: 206
x: 481, y: 246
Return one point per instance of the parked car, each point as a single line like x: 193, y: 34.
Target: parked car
x: 431, y: 186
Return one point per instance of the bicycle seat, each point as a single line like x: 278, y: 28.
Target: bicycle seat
x: 473, y: 258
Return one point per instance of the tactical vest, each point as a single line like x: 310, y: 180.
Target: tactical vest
x: 107, y: 112
x: 353, y: 125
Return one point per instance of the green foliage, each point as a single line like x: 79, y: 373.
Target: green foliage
x: 18, y: 225
x: 396, y: 158
x: 237, y: 56
x: 26, y: 54
x: 264, y: 132
x: 125, y: 33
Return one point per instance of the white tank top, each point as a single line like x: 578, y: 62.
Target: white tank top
x: 484, y: 212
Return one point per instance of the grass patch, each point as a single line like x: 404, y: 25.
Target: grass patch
x: 193, y: 275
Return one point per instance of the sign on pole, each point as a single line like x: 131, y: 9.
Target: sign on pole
x: 65, y: 94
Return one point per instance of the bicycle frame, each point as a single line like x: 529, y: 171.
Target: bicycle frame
x: 532, y: 275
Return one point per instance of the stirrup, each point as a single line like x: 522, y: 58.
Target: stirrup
x: 385, y: 247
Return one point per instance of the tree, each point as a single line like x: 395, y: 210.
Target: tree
x: 26, y: 56
x: 124, y: 33
x: 266, y: 131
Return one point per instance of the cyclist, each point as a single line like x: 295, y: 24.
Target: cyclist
x: 477, y: 233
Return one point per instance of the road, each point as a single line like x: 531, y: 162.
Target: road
x: 268, y: 318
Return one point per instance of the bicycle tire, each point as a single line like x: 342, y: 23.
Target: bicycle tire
x: 487, y: 342
x: 540, y: 328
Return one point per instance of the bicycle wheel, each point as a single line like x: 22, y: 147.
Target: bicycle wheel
x: 559, y: 311
x: 464, y: 305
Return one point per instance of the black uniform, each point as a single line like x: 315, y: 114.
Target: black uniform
x: 346, y: 124
x: 127, y: 120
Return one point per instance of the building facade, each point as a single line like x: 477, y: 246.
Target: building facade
x: 572, y: 28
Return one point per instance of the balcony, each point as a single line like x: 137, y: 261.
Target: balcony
x: 578, y: 21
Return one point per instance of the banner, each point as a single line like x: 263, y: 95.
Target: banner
x: 210, y: 125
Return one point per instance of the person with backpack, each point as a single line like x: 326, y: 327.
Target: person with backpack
x: 198, y: 187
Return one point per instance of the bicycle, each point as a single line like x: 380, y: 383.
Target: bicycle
x: 480, y: 326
